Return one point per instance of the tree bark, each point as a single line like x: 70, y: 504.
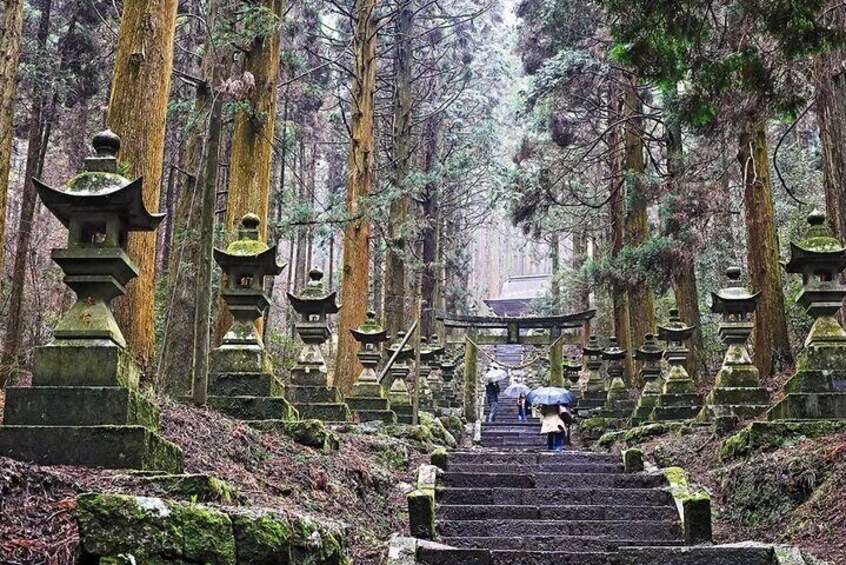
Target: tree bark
x: 395, y: 267
x: 641, y: 299
x: 361, y: 162
x: 431, y: 213
x: 771, y: 341
x: 555, y: 259
x: 250, y: 161
x: 685, y: 287
x: 34, y: 164
x: 581, y: 297
x: 11, y: 24
x: 302, y: 247
x: 137, y: 112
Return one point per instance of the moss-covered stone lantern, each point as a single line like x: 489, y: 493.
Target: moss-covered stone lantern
x: 737, y: 393
x: 309, y: 391
x: 241, y: 379
x: 367, y: 400
x: 450, y: 387
x: 83, y: 407
x: 573, y: 373
x: 678, y: 400
x: 818, y: 388
x: 649, y: 355
x: 618, y: 405
x: 398, y: 393
x: 595, y: 389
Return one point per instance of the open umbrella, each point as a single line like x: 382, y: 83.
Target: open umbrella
x: 514, y: 390
x: 494, y: 375
x: 549, y: 396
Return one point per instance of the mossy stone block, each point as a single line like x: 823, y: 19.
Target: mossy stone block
x: 153, y: 530
x: 311, y: 378
x: 367, y: 390
x: 78, y: 406
x: 386, y: 416
x: 367, y: 404
x: 311, y: 433
x: 254, y: 407
x: 674, y: 413
x: 440, y: 459
x: 313, y: 394
x: 633, y: 461
x: 84, y: 363
x: 109, y: 447
x: 327, y: 412
x: 768, y: 436
x: 680, y: 399
x: 697, y: 521
x: 421, y: 515
x: 819, y: 406
x: 734, y: 396
x: 244, y: 384
x: 239, y: 359
x: 194, y: 487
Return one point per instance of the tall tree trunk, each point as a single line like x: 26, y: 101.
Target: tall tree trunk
x: 361, y: 163
x: 581, y: 298
x: 641, y: 299
x: 830, y: 82
x: 11, y: 23
x: 617, y: 211
x: 555, y: 259
x: 250, y: 162
x: 302, y: 235
x: 771, y: 340
x: 431, y: 213
x: 137, y: 111
x: 395, y: 267
x: 685, y: 287
x: 34, y: 164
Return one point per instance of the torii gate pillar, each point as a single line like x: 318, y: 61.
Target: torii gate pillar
x: 471, y: 366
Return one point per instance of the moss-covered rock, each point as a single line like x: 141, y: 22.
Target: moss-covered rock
x: 311, y: 433
x: 153, y: 530
x: 769, y: 436
x: 196, y: 488
x: 454, y: 425
x: 441, y: 435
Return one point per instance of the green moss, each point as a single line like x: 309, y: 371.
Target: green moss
x: 769, y: 436
x: 679, y: 487
x: 608, y: 439
x: 246, y: 247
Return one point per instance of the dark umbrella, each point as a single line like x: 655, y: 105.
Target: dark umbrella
x: 549, y: 396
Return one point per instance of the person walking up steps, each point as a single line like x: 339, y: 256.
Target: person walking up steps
x: 492, y: 378
x: 522, y: 408
x: 554, y: 427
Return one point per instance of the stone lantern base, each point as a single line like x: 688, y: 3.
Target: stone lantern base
x: 84, y: 409
x: 737, y: 392
x: 313, y: 398
x: 368, y: 402
x: 399, y: 396
x: 678, y: 400
x: 242, y: 385
x: 591, y: 400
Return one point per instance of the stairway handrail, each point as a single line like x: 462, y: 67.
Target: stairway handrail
x: 396, y: 354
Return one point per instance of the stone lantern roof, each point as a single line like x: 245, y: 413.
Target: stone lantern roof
x: 370, y: 331
x: 650, y: 351
x: 249, y: 251
x: 407, y: 351
x: 593, y: 348
x: 819, y: 249
x: 734, y: 299
x: 314, y: 298
x: 675, y: 332
x: 100, y: 189
x: 613, y: 352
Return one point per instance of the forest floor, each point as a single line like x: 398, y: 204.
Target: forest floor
x: 792, y: 495
x: 363, y: 485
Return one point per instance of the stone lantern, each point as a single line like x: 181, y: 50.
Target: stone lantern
x: 618, y: 405
x: 241, y: 379
x: 309, y: 391
x: 367, y: 400
x: 818, y: 388
x: 573, y: 372
x: 435, y: 380
x: 84, y: 407
x: 398, y: 393
x: 595, y: 391
x: 737, y: 393
x: 450, y: 386
x: 427, y: 356
x: 678, y: 400
x: 649, y: 355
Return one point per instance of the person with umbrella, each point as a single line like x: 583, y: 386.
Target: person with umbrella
x: 555, y: 414
x: 492, y: 379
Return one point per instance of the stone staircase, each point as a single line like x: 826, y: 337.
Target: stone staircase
x: 511, y: 502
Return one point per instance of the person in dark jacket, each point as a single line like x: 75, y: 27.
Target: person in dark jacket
x: 522, y: 408
x: 492, y: 399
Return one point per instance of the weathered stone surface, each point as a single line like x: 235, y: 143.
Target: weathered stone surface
x: 421, y: 515
x: 110, y: 447
x: 253, y: 407
x: 78, y: 406
x: 154, y: 530
x: 368, y: 404
x: 194, y: 487
x: 633, y: 461
x: 367, y: 390
x: 311, y: 433
x: 769, y: 436
x: 239, y: 360
x: 313, y: 394
x: 385, y: 416
x: 716, y: 555
x: 325, y: 412
x: 694, y: 507
x: 244, y: 384
x: 810, y: 407
x: 84, y: 363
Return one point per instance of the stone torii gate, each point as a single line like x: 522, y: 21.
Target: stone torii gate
x: 478, y: 331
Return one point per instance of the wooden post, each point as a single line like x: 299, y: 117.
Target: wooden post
x: 556, y: 357
x: 471, y: 364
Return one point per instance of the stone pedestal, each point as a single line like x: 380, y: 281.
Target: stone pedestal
x: 618, y: 405
x: 242, y: 385
x: 398, y: 394
x: 678, y: 399
x: 650, y: 355
x: 368, y: 401
x: 595, y: 391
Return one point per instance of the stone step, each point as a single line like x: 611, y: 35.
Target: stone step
x: 254, y: 407
x: 552, y: 543
x: 513, y: 442
x: 328, y: 412
x: 737, y: 554
x: 108, y: 447
x: 244, y: 384
x: 313, y: 395
x: 551, y: 480
x: 428, y: 555
x: 550, y: 496
x: 549, y: 467
x: 557, y: 512
x: 613, y: 529
x: 386, y: 416
x: 501, y: 458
